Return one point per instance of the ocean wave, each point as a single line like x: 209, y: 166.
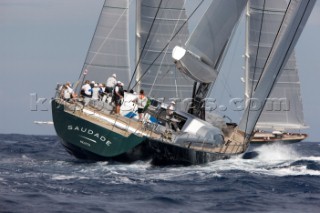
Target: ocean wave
x: 37, y: 172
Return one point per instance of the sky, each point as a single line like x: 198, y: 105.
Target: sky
x: 44, y: 42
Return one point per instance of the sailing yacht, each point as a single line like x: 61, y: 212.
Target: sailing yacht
x: 283, y: 112
x: 152, y: 45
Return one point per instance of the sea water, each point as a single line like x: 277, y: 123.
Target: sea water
x: 38, y: 175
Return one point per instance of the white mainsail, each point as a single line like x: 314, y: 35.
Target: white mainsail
x: 162, y: 25
x: 283, y: 109
x: 134, y: 39
x: 109, y: 51
x: 291, y: 27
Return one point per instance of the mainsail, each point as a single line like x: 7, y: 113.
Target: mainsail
x: 162, y: 25
x: 283, y: 109
x: 109, y: 51
x: 290, y: 29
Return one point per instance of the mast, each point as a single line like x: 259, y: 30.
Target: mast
x: 138, y: 43
x: 294, y: 20
x: 198, y: 103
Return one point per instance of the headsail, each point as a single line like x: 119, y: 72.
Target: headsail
x: 202, y: 55
x: 292, y: 24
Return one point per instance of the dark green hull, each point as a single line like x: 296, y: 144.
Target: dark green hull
x: 86, y: 140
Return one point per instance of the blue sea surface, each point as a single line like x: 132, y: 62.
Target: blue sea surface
x: 38, y: 175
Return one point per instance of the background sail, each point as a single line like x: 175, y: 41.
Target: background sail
x: 295, y: 18
x: 160, y: 22
x: 284, y: 108
x: 109, y: 51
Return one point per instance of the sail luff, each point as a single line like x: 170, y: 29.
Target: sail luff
x: 291, y: 28
x: 138, y: 45
x: 246, y: 55
x: 84, y: 65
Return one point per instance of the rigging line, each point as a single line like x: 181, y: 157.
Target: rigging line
x: 153, y: 84
x: 291, y: 43
x: 225, y: 77
x: 107, y: 37
x: 251, y: 92
x: 140, y: 55
x: 286, y: 54
x: 162, y: 77
x: 92, y: 40
x: 282, y: 64
x: 175, y: 27
x: 273, y: 41
x: 165, y: 53
x: 267, y: 56
x: 167, y: 44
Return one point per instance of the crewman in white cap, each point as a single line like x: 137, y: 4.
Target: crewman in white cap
x: 171, y: 122
x: 111, y: 83
x: 170, y: 109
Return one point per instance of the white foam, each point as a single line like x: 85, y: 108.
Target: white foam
x: 67, y: 177
x: 297, y: 170
x: 274, y: 160
x: 277, y: 152
x: 311, y: 158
